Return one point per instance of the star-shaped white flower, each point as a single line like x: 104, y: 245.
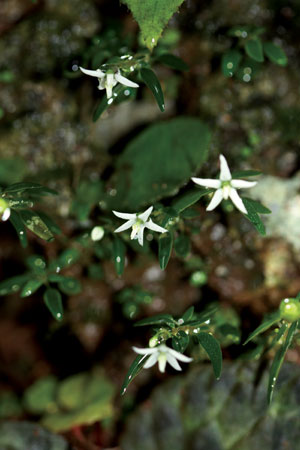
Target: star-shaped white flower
x: 225, y: 187
x: 162, y: 354
x: 138, y: 222
x: 107, y: 80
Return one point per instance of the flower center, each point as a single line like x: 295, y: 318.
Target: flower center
x: 226, y: 187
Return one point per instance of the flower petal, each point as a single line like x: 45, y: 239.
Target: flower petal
x: 93, y: 73
x: 125, y: 226
x: 242, y: 184
x: 162, y: 361
x: 145, y: 215
x: 151, y: 361
x: 216, y: 200
x: 225, y: 174
x: 125, y: 81
x: 207, y: 182
x: 141, y: 235
x: 126, y: 216
x: 179, y: 356
x: 173, y: 362
x: 145, y: 351
x: 154, y: 227
x: 237, y: 201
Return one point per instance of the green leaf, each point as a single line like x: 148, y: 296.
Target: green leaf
x: 173, y: 149
x: 253, y: 217
x: 35, y: 224
x: 152, y: 17
x: 52, y: 298
x: 153, y: 84
x: 182, y: 246
x: 165, y: 244
x: 70, y: 286
x: 188, y: 314
x: 68, y: 257
x: 159, y: 319
x: 13, y: 284
x: 180, y: 341
x: 173, y: 61
x: 245, y: 173
x: 133, y: 371
x: 19, y: 227
x: 119, y: 252
x: 278, y: 360
x: 254, y: 49
x: 36, y: 263
x: 265, y: 325
x: 213, y: 350
x: 275, y: 53
x: 230, y: 62
x: 257, y: 206
x: 120, y: 93
x: 190, y: 198
x: 88, y: 194
x: 30, y: 287
x: 53, y: 227
x: 38, y: 188
x: 40, y: 396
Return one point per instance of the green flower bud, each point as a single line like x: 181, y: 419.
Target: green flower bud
x: 290, y: 309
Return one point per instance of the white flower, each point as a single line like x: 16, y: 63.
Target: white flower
x: 162, y: 354
x: 138, y: 222
x: 225, y: 187
x: 107, y: 80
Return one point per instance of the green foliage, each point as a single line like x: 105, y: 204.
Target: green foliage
x: 81, y: 399
x: 119, y: 252
x: 275, y: 53
x: 52, y: 298
x: 153, y: 84
x: 255, y: 208
x: 172, y: 61
x: 212, y: 348
x: 165, y: 244
x: 230, y: 62
x: 152, y: 17
x: 254, y: 49
x: 182, y: 149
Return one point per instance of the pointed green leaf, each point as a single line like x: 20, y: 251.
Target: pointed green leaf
x: 265, y: 325
x: 153, y: 84
x: 133, y: 371
x: 36, y: 263
x: 159, y: 319
x: 119, y: 252
x: 52, y: 298
x: 188, y: 314
x: 53, y: 227
x: 152, y: 17
x: 275, y: 53
x: 70, y: 286
x: 165, y: 244
x: 35, y: 224
x: 19, y: 227
x: 230, y: 62
x: 120, y: 93
x: 30, y: 287
x: 68, y: 257
x: 21, y: 187
x: 254, y: 49
x: 13, y: 284
x: 253, y: 217
x: 213, y: 350
x: 173, y: 61
x: 278, y: 360
x: 257, y: 206
x: 189, y: 198
x: 245, y: 173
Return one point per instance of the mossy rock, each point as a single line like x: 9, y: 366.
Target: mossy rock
x: 196, y: 412
x: 29, y: 436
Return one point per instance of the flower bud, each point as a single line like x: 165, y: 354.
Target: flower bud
x: 290, y: 309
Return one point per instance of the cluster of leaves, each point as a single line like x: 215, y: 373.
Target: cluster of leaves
x: 190, y: 330
x: 19, y: 198
x: 39, y: 274
x: 287, y: 323
x: 80, y: 399
x: 244, y: 66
